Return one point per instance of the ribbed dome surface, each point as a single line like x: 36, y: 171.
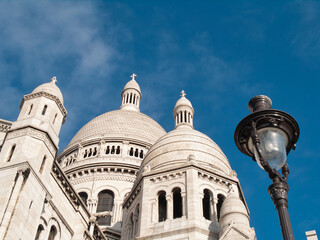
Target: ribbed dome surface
x: 121, y: 124
x: 50, y: 88
x: 132, y: 84
x: 183, y: 102
x: 175, y: 147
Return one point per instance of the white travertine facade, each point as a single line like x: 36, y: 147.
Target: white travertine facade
x: 122, y: 176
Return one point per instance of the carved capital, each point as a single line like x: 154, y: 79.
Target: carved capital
x: 279, y: 193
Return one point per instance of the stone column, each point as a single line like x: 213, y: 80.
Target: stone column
x: 92, y: 222
x: 154, y: 211
x: 214, y: 208
x: 169, y: 207
x: 201, y: 203
x: 193, y: 200
x: 125, y: 148
x: 184, y: 203
x: 92, y: 205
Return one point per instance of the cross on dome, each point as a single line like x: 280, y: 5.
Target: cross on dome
x: 133, y: 76
x: 54, y: 80
x: 183, y: 93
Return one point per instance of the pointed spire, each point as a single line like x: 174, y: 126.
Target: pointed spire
x: 131, y: 95
x: 183, y: 112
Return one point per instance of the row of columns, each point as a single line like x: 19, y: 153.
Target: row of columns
x: 184, y: 117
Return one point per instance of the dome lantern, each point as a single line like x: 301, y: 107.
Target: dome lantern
x: 183, y: 112
x: 131, y: 95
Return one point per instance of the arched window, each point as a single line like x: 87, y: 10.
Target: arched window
x: 11, y: 152
x: 113, y: 150
x: 177, y: 203
x: 53, y: 233
x: 130, y: 97
x: 90, y: 152
x: 42, y: 164
x: 118, y: 150
x: 131, y: 152
x: 94, y: 151
x: 108, y: 150
x: 85, y: 153
x: 105, y: 203
x: 54, y: 119
x: 141, y: 154
x: 39, y: 232
x: 84, y: 197
x: 44, y: 110
x: 221, y: 198
x: 162, y: 204
x: 30, y: 109
x: 206, y: 204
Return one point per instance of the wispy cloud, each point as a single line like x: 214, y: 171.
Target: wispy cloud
x: 306, y: 39
x: 40, y: 39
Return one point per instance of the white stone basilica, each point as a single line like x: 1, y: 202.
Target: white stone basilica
x: 122, y: 176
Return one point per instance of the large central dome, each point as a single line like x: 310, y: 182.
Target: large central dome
x: 120, y: 124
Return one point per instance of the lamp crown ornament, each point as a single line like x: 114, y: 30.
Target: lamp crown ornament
x: 260, y: 102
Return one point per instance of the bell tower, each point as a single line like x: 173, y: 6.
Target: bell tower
x: 34, y: 136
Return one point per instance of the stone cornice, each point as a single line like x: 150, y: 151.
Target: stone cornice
x: 49, y: 96
x: 104, y: 177
x: 132, y: 196
x: 5, y: 125
x: 109, y: 167
x: 67, y: 187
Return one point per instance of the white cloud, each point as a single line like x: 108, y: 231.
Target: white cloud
x: 306, y: 40
x: 73, y: 40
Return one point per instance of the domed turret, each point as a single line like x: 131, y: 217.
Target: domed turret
x: 234, y: 219
x: 50, y: 88
x: 183, y: 112
x: 131, y: 95
x: 174, y: 148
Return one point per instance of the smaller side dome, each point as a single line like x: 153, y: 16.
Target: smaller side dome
x: 50, y: 88
x: 183, y: 112
x: 131, y: 95
x: 233, y: 211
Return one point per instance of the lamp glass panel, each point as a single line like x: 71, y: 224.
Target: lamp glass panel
x: 273, y: 142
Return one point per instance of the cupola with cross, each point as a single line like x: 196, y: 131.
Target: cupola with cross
x: 131, y: 95
x: 183, y: 112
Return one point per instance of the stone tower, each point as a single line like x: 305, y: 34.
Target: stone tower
x: 34, y: 137
x: 186, y: 189
x: 36, y: 200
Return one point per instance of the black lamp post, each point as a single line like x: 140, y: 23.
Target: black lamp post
x: 267, y: 135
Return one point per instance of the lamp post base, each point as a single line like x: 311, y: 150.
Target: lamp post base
x: 278, y: 192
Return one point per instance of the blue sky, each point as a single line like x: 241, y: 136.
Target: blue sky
x: 221, y: 53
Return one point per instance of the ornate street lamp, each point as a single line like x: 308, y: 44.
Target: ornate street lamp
x: 267, y: 135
